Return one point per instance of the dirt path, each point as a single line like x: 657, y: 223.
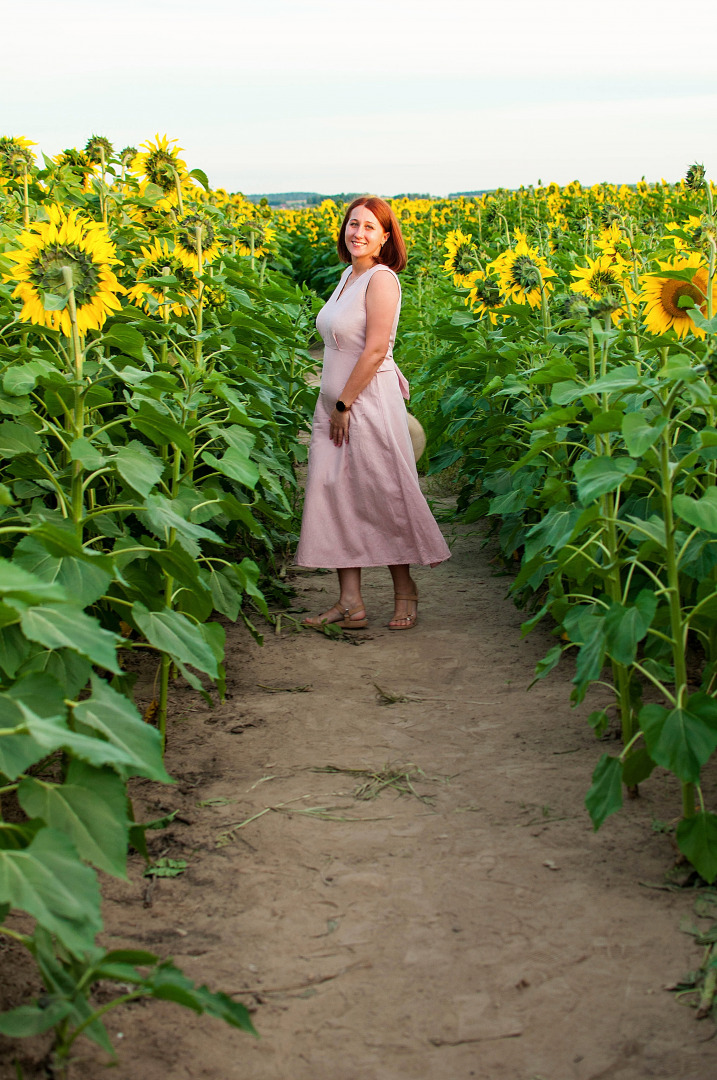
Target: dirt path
x: 484, y: 931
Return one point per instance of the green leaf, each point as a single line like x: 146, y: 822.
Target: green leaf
x: 114, y: 717
x: 236, y: 465
x: 701, y: 513
x: 681, y: 739
x: 591, y: 654
x: 90, y: 808
x: 66, y: 667
x: 226, y: 592
x: 84, y: 579
x: 636, y: 767
x: 697, y: 840
x: 197, y: 174
x: 17, y: 583
x: 162, y: 518
x: 89, y: 456
x: 180, y: 566
x: 548, y: 662
x: 605, y: 794
x: 18, y: 439
x: 128, y: 340
x: 139, y: 467
x: 29, y: 1020
x: 69, y: 627
x: 49, y: 882
x: 599, y: 475
x: 626, y: 626
x: 162, y: 429
x: 167, y: 983
x: 249, y: 573
x: 172, y: 633
x: 602, y: 422
x: 639, y: 434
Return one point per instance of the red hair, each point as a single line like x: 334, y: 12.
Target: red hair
x: 393, y: 252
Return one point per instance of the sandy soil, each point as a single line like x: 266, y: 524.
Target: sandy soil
x: 472, y: 927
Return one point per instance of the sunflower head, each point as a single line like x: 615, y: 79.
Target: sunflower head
x: 461, y: 255
x: 668, y: 300
x: 161, y: 163
x: 695, y: 177
x: 161, y: 260
x: 704, y: 236
x: 610, y: 214
x: 187, y: 248
x: 215, y: 298
x: 98, y: 148
x: 15, y: 155
x: 65, y: 241
x: 574, y: 306
x: 526, y: 273
x: 127, y: 156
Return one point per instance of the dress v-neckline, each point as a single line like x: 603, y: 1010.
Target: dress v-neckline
x: 347, y: 284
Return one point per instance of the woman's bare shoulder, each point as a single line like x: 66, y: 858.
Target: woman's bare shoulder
x: 384, y: 283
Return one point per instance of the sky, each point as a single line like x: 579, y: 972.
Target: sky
x: 385, y: 96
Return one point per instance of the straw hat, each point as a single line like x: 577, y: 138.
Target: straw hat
x: 418, y: 436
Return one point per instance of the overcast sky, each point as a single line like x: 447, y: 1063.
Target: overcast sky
x: 380, y: 95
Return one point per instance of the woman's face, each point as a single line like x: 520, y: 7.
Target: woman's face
x: 364, y: 234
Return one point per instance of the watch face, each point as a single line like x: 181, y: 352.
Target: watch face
x: 340, y: 406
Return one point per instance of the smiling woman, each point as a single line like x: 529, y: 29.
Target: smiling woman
x: 363, y: 504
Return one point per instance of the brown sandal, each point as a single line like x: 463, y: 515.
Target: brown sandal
x: 346, y: 622
x: 408, y: 620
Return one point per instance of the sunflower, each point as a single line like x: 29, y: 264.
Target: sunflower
x: 604, y: 281
x: 161, y: 260
x: 484, y: 294
x: 667, y: 300
x: 160, y: 163
x: 78, y: 163
x: 461, y: 258
x: 264, y: 236
x: 15, y: 155
x: 66, y: 240
x: 98, y: 149
x: 186, y: 245
x: 522, y: 273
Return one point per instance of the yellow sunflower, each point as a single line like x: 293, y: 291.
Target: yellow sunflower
x: 461, y: 257
x: 84, y: 247
x: 604, y: 279
x: 484, y: 295
x: 15, y: 155
x: 263, y: 234
x: 522, y: 273
x: 664, y: 297
x: 186, y: 246
x: 161, y: 260
x: 160, y: 163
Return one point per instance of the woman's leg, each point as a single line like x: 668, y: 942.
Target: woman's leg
x: 349, y: 598
x: 406, y: 598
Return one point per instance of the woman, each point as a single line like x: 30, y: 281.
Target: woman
x: 363, y: 505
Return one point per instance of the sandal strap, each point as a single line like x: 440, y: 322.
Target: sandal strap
x: 404, y: 596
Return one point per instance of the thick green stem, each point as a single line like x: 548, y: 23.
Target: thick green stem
x: 79, y: 402
x: 678, y: 626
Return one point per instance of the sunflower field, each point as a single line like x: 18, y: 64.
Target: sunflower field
x: 562, y: 349
x: 154, y: 337
x: 152, y: 362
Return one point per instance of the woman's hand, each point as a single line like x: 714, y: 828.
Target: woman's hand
x: 339, y: 427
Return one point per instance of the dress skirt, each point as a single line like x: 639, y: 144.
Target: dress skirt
x: 363, y: 504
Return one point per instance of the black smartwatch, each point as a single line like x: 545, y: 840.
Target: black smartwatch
x: 341, y: 406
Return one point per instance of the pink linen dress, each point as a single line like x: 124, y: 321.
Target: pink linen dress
x: 363, y: 505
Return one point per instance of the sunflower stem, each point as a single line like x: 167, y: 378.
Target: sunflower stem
x: 79, y: 402
x: 25, y: 199
x: 178, y: 189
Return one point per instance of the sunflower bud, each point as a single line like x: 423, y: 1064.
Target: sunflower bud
x: 695, y: 177
x: 15, y: 156
x: 575, y: 306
